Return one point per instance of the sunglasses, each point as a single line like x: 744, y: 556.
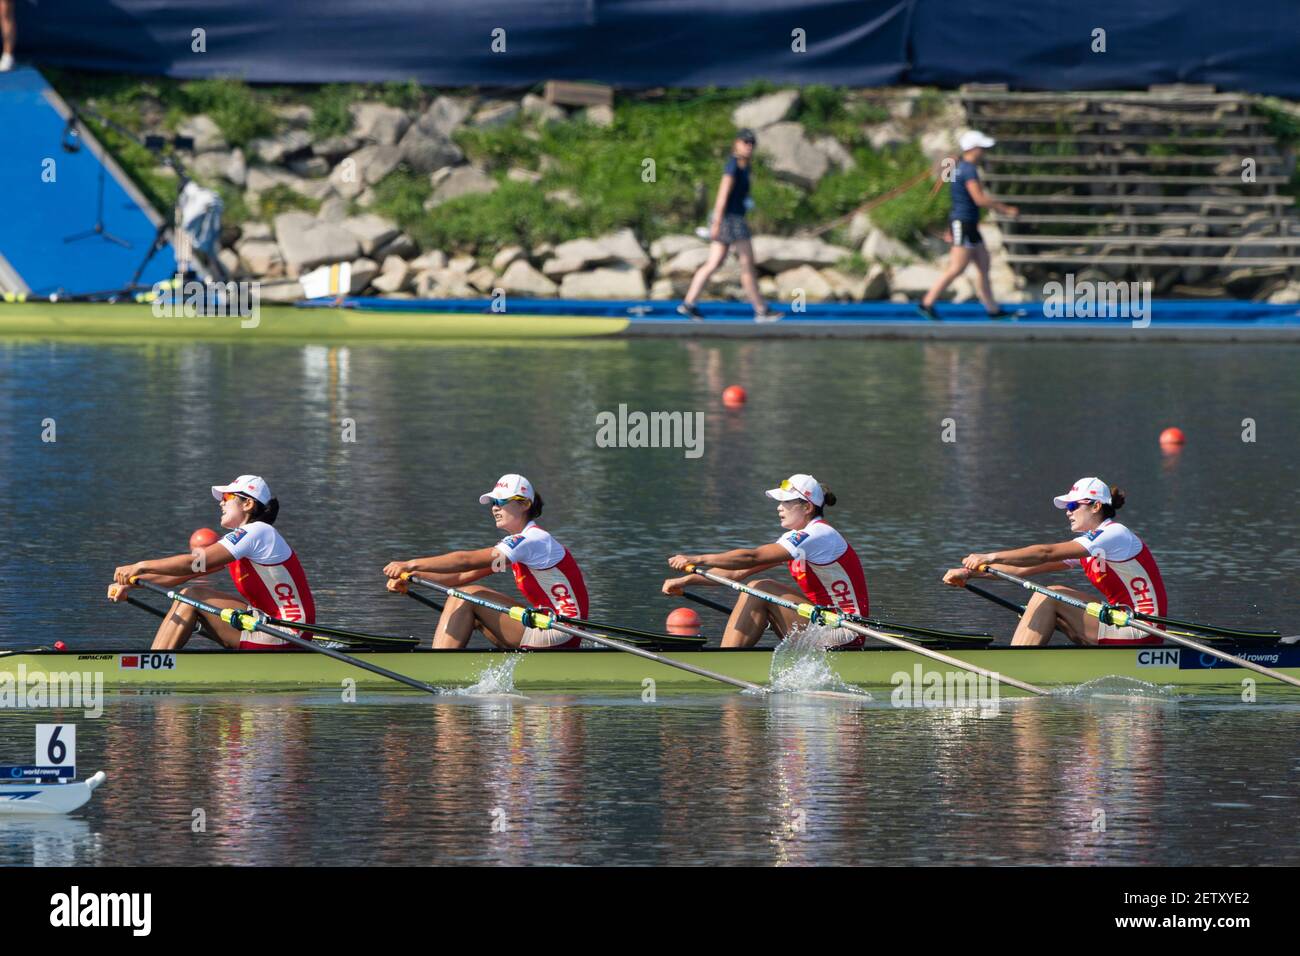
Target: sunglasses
x: 229, y: 496
x: 1070, y: 506
x: 502, y: 502
x: 786, y: 485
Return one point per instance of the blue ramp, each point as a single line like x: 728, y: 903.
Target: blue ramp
x: 50, y: 195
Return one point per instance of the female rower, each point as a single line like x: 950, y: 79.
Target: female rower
x: 1114, y: 559
x: 544, y: 571
x: 823, y: 565
x: 265, y: 570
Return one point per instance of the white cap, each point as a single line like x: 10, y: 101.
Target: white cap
x: 251, y: 486
x: 508, y: 486
x: 799, y: 488
x: 973, y: 138
x: 1085, y: 489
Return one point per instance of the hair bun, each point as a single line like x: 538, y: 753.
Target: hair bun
x: 1116, y: 498
x: 829, y: 496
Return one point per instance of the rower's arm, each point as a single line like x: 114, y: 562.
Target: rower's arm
x: 1044, y: 568
x: 748, y: 560
x: 177, y: 569
x: 1037, y: 556
x: 456, y: 562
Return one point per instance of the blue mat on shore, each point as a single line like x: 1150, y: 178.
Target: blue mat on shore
x: 1220, y: 312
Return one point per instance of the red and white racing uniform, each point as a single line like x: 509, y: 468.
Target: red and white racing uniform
x: 268, y: 576
x: 1122, y: 568
x: 828, y: 572
x: 548, y: 577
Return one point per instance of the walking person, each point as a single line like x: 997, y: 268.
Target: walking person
x: 728, y: 229
x: 968, y: 197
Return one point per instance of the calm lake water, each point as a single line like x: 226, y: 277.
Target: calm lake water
x: 143, y: 430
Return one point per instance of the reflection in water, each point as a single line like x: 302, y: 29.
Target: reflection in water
x: 701, y: 778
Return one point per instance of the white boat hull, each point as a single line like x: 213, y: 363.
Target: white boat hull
x: 48, y: 798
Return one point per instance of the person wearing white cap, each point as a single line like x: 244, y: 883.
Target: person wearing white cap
x: 265, y: 570
x: 968, y: 197
x: 1115, y: 560
x: 544, y: 571
x: 825, y: 568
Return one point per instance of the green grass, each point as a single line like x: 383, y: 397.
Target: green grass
x: 656, y: 170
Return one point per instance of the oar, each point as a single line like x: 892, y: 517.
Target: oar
x: 202, y: 630
x: 914, y: 630
x: 1123, y: 617
x: 544, y: 620
x: 995, y: 598
x: 832, y: 618
x: 249, y: 622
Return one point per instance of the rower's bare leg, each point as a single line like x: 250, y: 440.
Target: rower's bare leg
x: 752, y: 615
x: 1043, y: 616
x: 177, y: 627
x: 717, y: 253
x: 459, y: 618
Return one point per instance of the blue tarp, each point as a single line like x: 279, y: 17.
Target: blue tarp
x: 635, y: 43
x: 1207, y: 312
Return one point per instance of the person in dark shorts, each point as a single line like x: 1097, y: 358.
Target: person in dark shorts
x: 728, y: 229
x: 968, y: 196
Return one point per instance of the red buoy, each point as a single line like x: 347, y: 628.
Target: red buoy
x: 203, y: 537
x: 733, y: 396
x: 1172, y: 436
x: 683, y: 621
x: 60, y: 646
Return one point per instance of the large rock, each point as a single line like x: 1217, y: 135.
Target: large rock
x: 445, y: 115
x: 363, y: 270
x: 426, y: 153
x: 886, y: 135
x: 262, y: 178
x: 365, y: 167
x: 204, y: 131
x: 666, y: 247
x: 505, y: 256
x: 461, y: 181
x: 306, y: 242
x: 334, y: 148
x: 276, y: 149
x: 764, y: 111
x: 835, y: 153
x: 260, y: 257
x: 599, y: 115
x: 536, y: 108
x: 282, y: 292
x: 608, y: 282
x: 876, y: 284
x: 483, y: 279
x: 394, y: 276
x: 791, y: 156
x: 621, y: 246
x: 371, y: 231
x: 914, y: 280
x: 860, y: 226
x: 878, y: 247
x: 779, y: 253
x: 685, y: 263
x: 805, y: 281
x: 845, y: 288
x: 295, y: 116
x: 495, y: 113
x: 401, y: 245
x: 520, y: 278
x: 431, y: 261
x: 379, y: 123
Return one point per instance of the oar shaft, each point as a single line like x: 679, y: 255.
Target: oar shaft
x: 558, y: 624
x: 1095, y: 608
x: 995, y: 598
x: 292, y: 638
x: 871, y: 632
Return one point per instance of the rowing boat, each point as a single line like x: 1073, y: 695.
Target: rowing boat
x: 584, y: 667
x: 48, y: 798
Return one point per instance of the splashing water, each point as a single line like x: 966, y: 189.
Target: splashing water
x: 494, y: 680
x: 801, y: 662
x: 1115, y: 686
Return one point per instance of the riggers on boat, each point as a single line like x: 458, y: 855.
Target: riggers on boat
x: 591, y: 667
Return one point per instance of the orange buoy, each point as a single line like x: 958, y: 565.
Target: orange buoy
x: 733, y: 396
x: 683, y: 621
x: 203, y: 537
x: 1172, y: 436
